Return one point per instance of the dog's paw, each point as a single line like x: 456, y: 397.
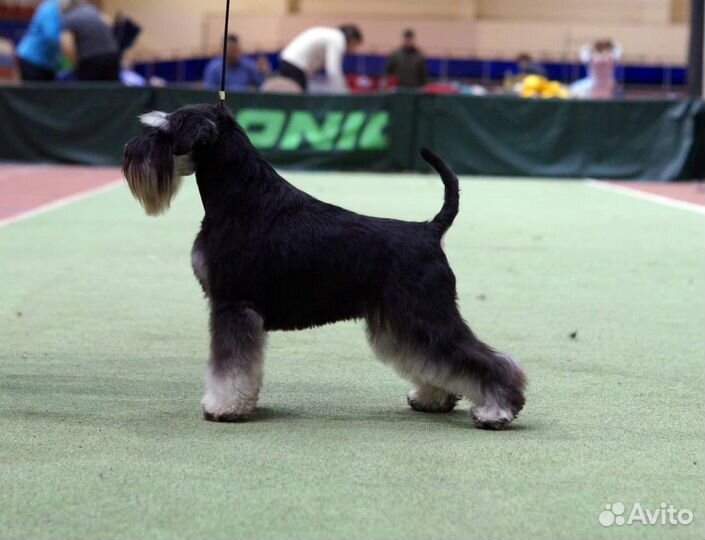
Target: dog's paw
x: 491, y: 417
x: 436, y: 401
x: 227, y: 417
x: 229, y: 411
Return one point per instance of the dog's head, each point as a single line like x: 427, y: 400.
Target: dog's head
x: 155, y: 163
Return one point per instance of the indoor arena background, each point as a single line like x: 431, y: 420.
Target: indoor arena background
x: 578, y: 247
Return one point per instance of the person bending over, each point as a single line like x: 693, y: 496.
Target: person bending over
x: 88, y: 40
x: 316, y: 48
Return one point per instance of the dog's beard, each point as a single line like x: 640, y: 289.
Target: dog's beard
x: 154, y: 174
x: 153, y: 194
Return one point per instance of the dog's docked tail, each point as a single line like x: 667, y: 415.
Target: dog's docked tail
x: 444, y: 218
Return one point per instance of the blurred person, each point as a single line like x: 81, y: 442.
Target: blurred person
x: 601, y: 59
x: 316, y: 48
x: 126, y: 31
x: 280, y: 85
x: 88, y: 40
x: 8, y: 61
x: 39, y: 50
x: 241, y: 73
x: 407, y: 64
x: 526, y: 65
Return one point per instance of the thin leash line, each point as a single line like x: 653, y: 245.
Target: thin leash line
x: 223, y: 73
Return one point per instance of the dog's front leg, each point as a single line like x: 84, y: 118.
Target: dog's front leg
x: 199, y: 265
x: 234, y: 374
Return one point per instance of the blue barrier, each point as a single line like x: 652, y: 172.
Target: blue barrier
x: 191, y: 70
x: 12, y: 30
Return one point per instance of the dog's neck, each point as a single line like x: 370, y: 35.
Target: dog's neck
x: 201, y: 193
x: 239, y: 181
x: 233, y: 175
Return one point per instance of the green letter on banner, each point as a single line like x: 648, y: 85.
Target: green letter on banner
x: 373, y: 136
x: 302, y: 125
x: 263, y: 126
x: 351, y: 129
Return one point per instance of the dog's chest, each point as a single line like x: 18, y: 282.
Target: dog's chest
x: 200, y: 266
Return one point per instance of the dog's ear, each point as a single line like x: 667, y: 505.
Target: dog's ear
x: 187, y: 128
x: 190, y: 130
x: 155, y: 119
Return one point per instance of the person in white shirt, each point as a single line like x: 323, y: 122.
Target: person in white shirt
x: 316, y: 48
x: 601, y: 60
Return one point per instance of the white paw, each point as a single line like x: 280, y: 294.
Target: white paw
x: 491, y: 416
x: 432, y: 400
x: 230, y: 397
x: 214, y: 408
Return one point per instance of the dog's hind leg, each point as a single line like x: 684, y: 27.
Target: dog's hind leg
x: 431, y: 399
x: 234, y: 374
x: 424, y: 397
x: 497, y: 379
x: 445, y: 360
x: 494, y: 382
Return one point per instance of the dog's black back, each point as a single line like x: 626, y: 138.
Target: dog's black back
x: 296, y: 259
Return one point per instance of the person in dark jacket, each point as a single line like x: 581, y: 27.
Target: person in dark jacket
x: 407, y: 64
x: 126, y: 31
x: 241, y: 73
x: 88, y: 39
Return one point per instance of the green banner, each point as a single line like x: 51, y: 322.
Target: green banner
x: 69, y: 124
x: 319, y: 132
x: 646, y: 139
x: 630, y: 139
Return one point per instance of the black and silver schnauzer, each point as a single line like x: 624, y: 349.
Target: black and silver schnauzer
x: 271, y: 257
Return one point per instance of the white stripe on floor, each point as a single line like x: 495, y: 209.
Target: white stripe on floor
x: 652, y: 197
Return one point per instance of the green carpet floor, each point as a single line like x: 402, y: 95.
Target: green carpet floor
x: 103, y: 342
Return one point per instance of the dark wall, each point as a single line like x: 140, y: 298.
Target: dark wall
x: 639, y: 139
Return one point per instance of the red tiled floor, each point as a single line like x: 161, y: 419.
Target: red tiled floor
x: 691, y: 192
x: 26, y: 187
